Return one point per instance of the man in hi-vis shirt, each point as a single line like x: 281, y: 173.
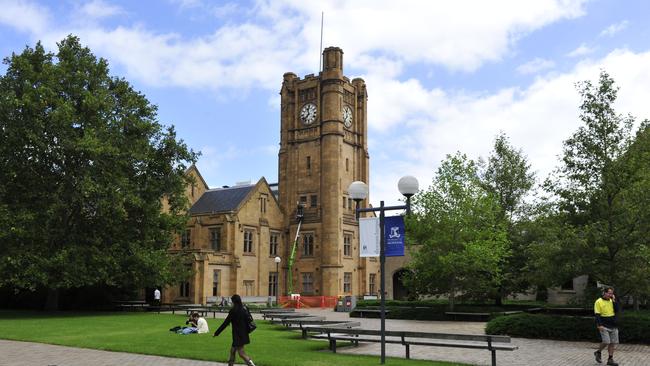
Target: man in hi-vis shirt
x: 605, y: 310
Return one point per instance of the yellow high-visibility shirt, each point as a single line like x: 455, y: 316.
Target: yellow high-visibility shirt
x: 604, y: 307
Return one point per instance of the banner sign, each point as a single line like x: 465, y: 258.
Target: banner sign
x: 369, y: 236
x: 394, y: 236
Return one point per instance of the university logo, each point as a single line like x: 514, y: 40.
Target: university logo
x: 394, y: 232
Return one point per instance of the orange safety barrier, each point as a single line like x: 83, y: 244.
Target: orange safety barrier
x: 307, y: 301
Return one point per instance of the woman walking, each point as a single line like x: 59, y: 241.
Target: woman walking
x: 238, y: 317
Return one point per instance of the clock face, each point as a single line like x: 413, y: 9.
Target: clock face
x: 308, y: 113
x: 347, y: 116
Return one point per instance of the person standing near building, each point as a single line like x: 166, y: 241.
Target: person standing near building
x: 238, y: 318
x: 605, y: 310
x: 156, y: 297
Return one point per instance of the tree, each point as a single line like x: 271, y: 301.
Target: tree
x: 84, y: 168
x: 461, y: 242
x: 599, y: 188
x: 507, y: 176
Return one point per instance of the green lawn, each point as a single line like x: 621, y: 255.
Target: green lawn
x: 149, y: 334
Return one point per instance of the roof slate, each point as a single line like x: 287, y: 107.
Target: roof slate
x: 221, y: 199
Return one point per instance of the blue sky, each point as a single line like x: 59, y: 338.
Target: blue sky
x: 442, y: 76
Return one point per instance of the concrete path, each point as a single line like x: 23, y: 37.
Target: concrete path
x: 13, y: 353
x: 531, y: 352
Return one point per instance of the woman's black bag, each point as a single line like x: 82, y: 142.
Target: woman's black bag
x: 250, y: 323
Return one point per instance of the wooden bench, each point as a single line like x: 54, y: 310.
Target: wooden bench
x: 356, y: 335
x: 277, y: 310
x: 205, y: 310
x: 131, y: 305
x: 165, y: 307
x: 473, y: 316
x: 327, y: 324
x: 369, y: 311
x: 285, y: 315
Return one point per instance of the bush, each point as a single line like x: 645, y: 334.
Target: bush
x: 634, y: 326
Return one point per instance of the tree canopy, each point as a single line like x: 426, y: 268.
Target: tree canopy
x: 601, y: 192
x: 461, y: 241
x: 84, y: 169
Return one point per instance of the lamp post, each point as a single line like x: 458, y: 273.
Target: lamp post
x: 277, y: 279
x: 408, y: 186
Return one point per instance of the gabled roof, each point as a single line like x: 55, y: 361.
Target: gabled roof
x: 196, y: 171
x: 221, y: 199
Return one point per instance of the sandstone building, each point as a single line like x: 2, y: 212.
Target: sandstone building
x: 234, y: 233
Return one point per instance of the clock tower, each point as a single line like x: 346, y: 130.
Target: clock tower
x: 323, y: 148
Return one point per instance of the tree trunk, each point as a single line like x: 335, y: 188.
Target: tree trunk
x: 498, y: 299
x: 452, y: 295
x: 52, y: 301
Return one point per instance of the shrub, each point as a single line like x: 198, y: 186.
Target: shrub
x: 634, y: 326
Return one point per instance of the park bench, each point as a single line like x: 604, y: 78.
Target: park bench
x: 318, y: 326
x: 273, y: 316
x: 131, y: 305
x: 205, y: 310
x: 165, y: 307
x: 369, y: 311
x: 469, y: 316
x: 491, y: 343
x: 277, y: 310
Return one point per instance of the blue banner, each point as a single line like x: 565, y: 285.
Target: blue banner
x: 394, y: 236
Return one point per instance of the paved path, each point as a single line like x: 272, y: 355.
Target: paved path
x: 13, y: 353
x: 530, y: 353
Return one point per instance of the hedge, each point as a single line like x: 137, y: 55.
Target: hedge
x: 634, y: 327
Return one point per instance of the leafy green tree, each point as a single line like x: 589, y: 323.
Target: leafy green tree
x: 461, y: 242
x: 507, y: 177
x: 601, y: 192
x: 84, y: 169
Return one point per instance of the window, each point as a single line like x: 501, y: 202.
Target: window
x: 307, y: 282
x: 273, y: 245
x: 347, y: 245
x: 309, y: 163
x: 303, y: 201
x: 314, y: 200
x: 344, y: 201
x: 350, y: 203
x: 273, y: 283
x: 185, y: 238
x: 371, y: 283
x: 263, y: 199
x: 308, y: 245
x: 249, y: 287
x: 215, y: 239
x: 185, y: 289
x: 347, y: 282
x: 215, y: 282
x: 347, y: 164
x: 248, y: 241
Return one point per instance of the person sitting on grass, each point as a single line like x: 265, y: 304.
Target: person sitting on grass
x: 197, y: 323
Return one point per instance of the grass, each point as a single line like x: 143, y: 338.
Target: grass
x: 148, y: 333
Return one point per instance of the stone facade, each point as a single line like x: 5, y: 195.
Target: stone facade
x: 323, y: 148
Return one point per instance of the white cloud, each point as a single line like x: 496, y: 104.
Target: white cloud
x: 283, y: 35
x: 537, y: 119
x: 97, y: 9
x: 614, y: 28
x: 582, y: 50
x: 535, y: 66
x: 24, y: 16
